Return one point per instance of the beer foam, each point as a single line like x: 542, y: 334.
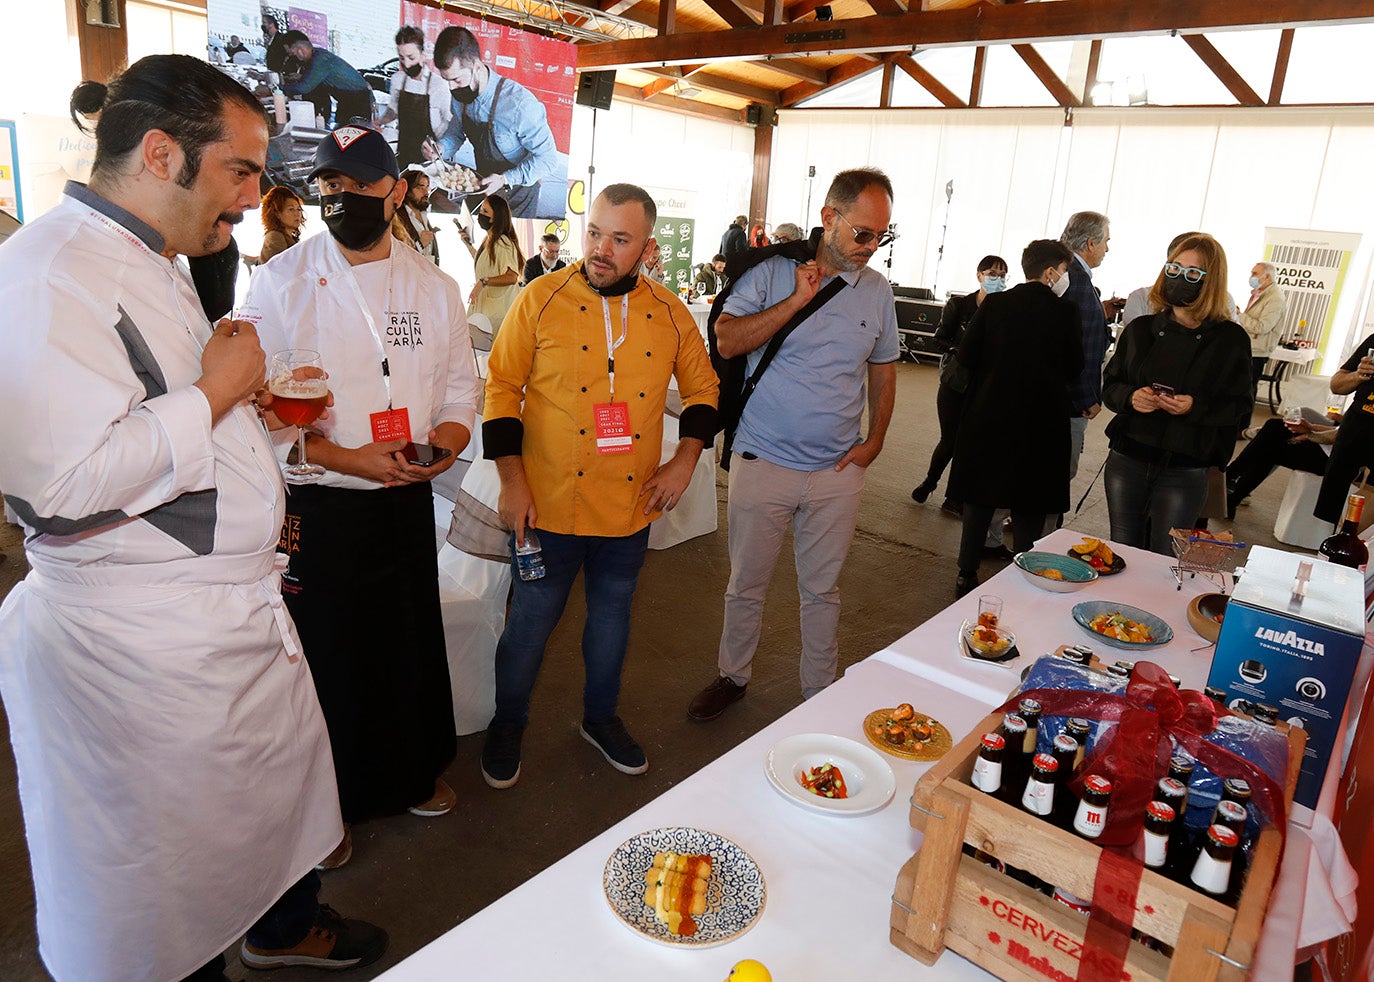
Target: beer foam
x: 285, y: 384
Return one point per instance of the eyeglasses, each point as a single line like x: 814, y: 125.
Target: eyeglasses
x: 1190, y: 273
x: 863, y: 236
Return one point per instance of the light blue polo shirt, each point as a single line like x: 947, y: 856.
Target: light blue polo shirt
x: 809, y: 404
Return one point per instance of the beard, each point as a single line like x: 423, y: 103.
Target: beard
x: 211, y: 242
x: 419, y: 202
x: 836, y: 259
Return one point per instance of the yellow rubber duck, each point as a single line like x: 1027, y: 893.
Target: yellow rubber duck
x: 749, y: 971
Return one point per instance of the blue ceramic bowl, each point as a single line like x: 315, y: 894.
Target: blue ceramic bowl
x: 1077, y: 574
x: 1085, y: 612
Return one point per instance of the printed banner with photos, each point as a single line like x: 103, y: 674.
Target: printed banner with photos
x: 496, y: 119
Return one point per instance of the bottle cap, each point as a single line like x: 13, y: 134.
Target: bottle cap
x: 1065, y: 743
x: 1161, y: 811
x: 1222, y: 836
x: 1044, y: 762
x: 1230, y: 811
x: 1013, y: 723
x: 1237, y: 788
x: 1029, y: 706
x: 1097, y: 784
x: 993, y: 741
x: 1171, y: 788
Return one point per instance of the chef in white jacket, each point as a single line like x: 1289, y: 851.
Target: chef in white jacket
x: 174, y: 768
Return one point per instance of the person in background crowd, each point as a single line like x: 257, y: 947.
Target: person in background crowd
x: 1304, y: 447
x: 505, y: 124
x: 1179, y: 384
x: 1087, y: 234
x: 1262, y: 319
x: 788, y: 232
x: 1354, y: 446
x: 758, y: 234
x: 234, y: 47
x: 419, y: 101
x: 949, y: 396
x: 325, y: 76
x: 1020, y: 351
x: 735, y: 240
x: 556, y: 422
x: 653, y: 267
x: 799, y: 458
x: 497, y: 262
x: 414, y: 217
x: 546, y: 260
x: 710, y: 279
x: 173, y: 764
x: 283, y: 218
x: 390, y: 331
x: 274, y: 41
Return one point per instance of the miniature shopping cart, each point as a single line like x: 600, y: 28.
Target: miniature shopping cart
x: 1212, y: 558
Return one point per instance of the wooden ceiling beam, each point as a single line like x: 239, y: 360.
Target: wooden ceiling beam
x: 656, y: 86
x: 885, y: 89
x: 1223, y: 70
x: 1041, y: 69
x: 798, y: 9
x: 686, y: 107
x: 794, y: 67
x: 975, y: 89
x: 773, y: 12
x: 733, y: 13
x: 719, y: 83
x: 616, y: 7
x: 842, y: 72
x: 1090, y: 76
x: 887, y: 7
x: 1281, y: 67
x: 667, y: 17
x: 983, y: 24
x: 929, y: 82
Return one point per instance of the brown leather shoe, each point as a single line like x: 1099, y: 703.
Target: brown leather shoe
x: 441, y: 803
x: 713, y: 700
x: 342, y: 853
x: 334, y: 943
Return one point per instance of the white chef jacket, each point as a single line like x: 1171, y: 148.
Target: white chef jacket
x: 306, y: 298
x: 174, y: 767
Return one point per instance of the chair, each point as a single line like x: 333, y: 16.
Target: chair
x: 1295, y: 524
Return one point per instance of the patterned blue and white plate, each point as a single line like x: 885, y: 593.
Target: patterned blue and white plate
x: 735, y: 893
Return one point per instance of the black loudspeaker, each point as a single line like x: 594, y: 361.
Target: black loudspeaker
x: 595, y: 89
x: 753, y: 114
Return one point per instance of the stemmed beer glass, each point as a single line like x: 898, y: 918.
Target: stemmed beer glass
x: 299, y: 390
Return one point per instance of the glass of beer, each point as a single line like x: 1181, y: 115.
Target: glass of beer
x: 299, y: 390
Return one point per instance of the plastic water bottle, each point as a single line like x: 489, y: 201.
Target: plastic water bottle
x: 529, y: 558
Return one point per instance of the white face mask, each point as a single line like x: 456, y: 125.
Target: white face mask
x: 1061, y: 285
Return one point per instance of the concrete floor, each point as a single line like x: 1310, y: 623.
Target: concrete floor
x: 420, y: 877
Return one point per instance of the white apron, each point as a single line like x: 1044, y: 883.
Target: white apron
x: 174, y: 766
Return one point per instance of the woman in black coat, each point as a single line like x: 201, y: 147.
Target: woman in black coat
x: 1179, y: 383
x: 949, y: 397
x: 1022, y: 349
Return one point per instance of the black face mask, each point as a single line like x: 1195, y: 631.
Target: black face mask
x: 466, y: 94
x: 414, y: 70
x: 1178, y: 292
x: 483, y: 222
x: 355, y: 220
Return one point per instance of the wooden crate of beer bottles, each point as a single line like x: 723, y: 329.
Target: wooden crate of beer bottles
x: 945, y: 898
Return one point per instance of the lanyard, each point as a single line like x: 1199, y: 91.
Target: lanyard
x: 624, y: 327
x: 371, y: 322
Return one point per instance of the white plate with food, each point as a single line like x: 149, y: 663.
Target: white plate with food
x: 684, y: 887
x: 830, y: 774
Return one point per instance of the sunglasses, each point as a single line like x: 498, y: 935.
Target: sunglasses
x: 1190, y: 273
x: 863, y: 236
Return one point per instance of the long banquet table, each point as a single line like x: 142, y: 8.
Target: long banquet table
x: 830, y: 879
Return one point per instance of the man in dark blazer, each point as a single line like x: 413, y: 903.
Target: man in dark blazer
x: 546, y: 260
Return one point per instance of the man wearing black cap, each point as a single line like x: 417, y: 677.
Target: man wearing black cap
x: 362, y: 584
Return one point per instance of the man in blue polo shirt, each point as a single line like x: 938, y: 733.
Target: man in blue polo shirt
x: 799, y: 454
x: 324, y: 75
x: 1086, y: 234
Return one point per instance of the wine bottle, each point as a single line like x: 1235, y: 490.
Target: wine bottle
x: 1345, y: 548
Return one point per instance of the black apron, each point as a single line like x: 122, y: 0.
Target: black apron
x: 523, y: 200
x: 412, y: 126
x: 363, y: 589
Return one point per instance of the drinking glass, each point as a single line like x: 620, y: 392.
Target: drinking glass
x: 299, y: 390
x: 989, y: 610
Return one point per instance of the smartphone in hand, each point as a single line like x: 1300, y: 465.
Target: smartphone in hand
x: 1160, y: 389
x: 424, y: 455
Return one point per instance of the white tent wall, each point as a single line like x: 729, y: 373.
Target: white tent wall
x: 661, y: 149
x: 1019, y: 174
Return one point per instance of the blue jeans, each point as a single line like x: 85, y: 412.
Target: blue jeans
x: 285, y: 925
x: 611, y: 569
x: 1146, y: 500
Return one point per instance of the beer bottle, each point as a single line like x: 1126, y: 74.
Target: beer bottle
x: 1065, y: 755
x: 1038, y: 798
x: 1212, y: 870
x: 1173, y: 793
x: 1079, y: 729
x: 1181, y: 770
x: 1159, y: 824
x: 1091, y: 817
x: 1029, y: 710
x: 1345, y: 547
x: 987, y: 769
x: 1015, y: 768
x: 1235, y: 789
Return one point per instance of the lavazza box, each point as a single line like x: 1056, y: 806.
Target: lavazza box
x: 1294, y: 651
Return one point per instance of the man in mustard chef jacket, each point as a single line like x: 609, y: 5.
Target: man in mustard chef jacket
x: 576, y: 388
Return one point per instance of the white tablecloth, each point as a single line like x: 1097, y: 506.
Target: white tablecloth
x: 700, y: 313
x: 829, y: 879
